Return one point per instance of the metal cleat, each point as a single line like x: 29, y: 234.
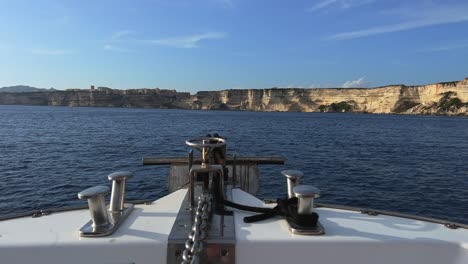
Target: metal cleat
x: 104, y: 223
x: 97, y: 205
x: 292, y: 179
x: 306, y: 195
x: 306, y: 222
x: 119, y: 180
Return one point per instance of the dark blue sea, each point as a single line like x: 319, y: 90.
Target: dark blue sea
x: 410, y: 164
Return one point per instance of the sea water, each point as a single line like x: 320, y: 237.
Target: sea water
x: 410, y: 164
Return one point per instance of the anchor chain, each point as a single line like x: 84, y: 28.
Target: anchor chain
x: 194, y: 244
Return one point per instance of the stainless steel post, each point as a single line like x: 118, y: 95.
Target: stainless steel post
x: 190, y: 159
x: 305, y: 195
x: 192, y: 189
x: 119, y: 180
x: 205, y: 154
x: 292, y: 179
x: 97, y: 204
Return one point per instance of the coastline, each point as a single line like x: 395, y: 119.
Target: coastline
x: 448, y: 98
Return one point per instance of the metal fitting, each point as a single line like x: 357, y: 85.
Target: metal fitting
x: 306, y: 195
x: 210, y: 169
x: 97, y: 205
x: 292, y: 180
x: 119, y: 180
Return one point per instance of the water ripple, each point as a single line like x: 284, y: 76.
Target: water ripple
x: 410, y: 164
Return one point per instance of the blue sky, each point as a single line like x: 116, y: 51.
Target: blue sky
x: 193, y: 45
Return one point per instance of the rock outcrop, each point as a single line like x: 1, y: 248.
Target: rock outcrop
x: 449, y: 98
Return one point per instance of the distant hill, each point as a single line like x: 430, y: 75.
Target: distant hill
x: 23, y: 89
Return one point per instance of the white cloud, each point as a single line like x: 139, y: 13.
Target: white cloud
x: 50, y: 52
x: 342, y: 4
x: 116, y: 49
x: 419, y: 17
x: 188, y: 41
x: 321, y: 5
x: 121, y: 34
x: 358, y: 83
x: 446, y: 47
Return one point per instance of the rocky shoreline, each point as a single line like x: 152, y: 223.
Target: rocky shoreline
x: 448, y: 98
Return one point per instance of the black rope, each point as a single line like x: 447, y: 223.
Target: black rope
x: 281, y: 209
x: 261, y: 217
x: 246, y: 207
x: 286, y: 208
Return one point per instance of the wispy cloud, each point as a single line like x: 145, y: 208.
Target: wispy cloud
x: 226, y: 3
x: 321, y: 5
x: 122, y: 34
x: 342, y: 4
x: 50, y: 52
x: 446, y: 47
x: 358, y: 83
x: 418, y: 18
x: 189, y: 41
x: 116, y: 49
x: 172, y: 3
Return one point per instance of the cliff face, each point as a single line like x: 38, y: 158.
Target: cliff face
x: 443, y: 99
x: 145, y: 98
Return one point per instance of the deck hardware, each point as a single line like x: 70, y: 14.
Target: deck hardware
x: 193, y: 244
x: 211, y: 169
x: 205, y: 145
x: 36, y: 214
x: 97, y: 204
x: 305, y: 206
x: 41, y: 213
x: 239, y: 166
x: 451, y: 226
x: 105, y: 221
x: 306, y: 195
x: 369, y: 212
x: 46, y: 212
x: 292, y: 178
x: 190, y: 159
x: 119, y: 180
x: 218, y: 233
x: 243, y: 160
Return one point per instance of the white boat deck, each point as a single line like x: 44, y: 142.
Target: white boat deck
x: 351, y: 237
x: 54, y: 238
